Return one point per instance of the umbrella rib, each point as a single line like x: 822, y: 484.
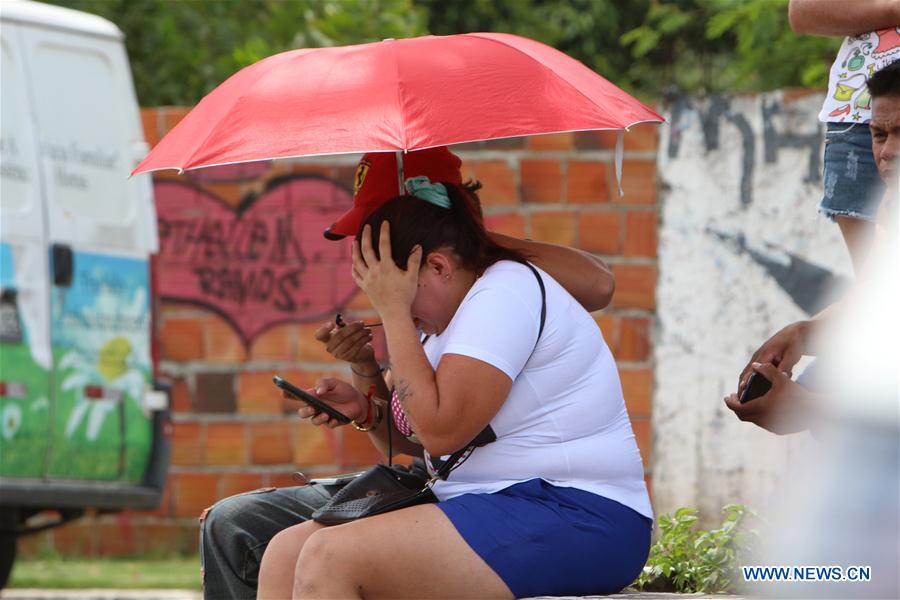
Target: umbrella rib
x: 400, y: 103
x: 563, y: 79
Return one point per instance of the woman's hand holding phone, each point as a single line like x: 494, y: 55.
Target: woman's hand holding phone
x: 339, y: 394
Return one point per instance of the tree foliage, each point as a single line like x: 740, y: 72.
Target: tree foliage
x: 180, y: 50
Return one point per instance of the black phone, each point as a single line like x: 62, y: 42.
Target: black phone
x: 756, y: 386
x: 310, y: 399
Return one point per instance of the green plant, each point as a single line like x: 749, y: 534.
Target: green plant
x: 689, y: 559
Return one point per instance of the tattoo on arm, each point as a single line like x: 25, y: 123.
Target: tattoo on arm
x: 403, y: 391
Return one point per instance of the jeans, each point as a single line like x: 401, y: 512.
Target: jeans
x: 235, y: 531
x: 853, y: 187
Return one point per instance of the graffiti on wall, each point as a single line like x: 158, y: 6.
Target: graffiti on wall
x: 262, y: 263
x: 742, y: 253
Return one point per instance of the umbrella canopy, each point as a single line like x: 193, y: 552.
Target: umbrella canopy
x: 395, y: 95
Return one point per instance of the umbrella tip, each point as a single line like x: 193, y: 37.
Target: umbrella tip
x: 388, y: 40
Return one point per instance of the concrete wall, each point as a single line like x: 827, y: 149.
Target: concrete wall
x: 742, y: 252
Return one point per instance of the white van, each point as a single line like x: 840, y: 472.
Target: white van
x: 81, y: 423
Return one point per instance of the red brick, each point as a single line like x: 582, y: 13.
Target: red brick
x: 229, y: 192
x: 587, y: 181
x: 541, y: 181
x: 225, y: 444
x: 150, y: 124
x: 181, y: 339
x: 634, y: 339
x: 180, y: 397
x: 238, y: 483
x: 117, y: 536
x: 270, y: 442
x: 165, y: 503
x: 319, y: 170
x: 609, y: 326
x: 600, y: 232
x: 285, y: 479
x: 638, y: 182
x: 308, y: 348
x: 194, y: 492
x: 359, y: 302
x: 169, y: 538
x: 640, y: 138
x: 39, y: 544
x: 644, y: 437
x: 173, y: 115
x: 257, y: 394
x: 637, y: 388
x: 550, y: 141
x: 314, y: 446
x: 511, y: 224
x: 498, y: 181
x: 223, y: 344
x: 635, y: 286
x: 276, y: 343
x: 187, y: 443
x: 554, y: 227
x: 356, y: 449
x: 640, y: 233
x: 76, y: 538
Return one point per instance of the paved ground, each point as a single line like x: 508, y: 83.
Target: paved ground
x: 38, y: 594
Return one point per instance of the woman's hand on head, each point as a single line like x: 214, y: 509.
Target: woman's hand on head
x: 339, y: 394
x: 390, y: 289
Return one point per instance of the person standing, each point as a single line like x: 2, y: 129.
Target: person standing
x: 853, y: 188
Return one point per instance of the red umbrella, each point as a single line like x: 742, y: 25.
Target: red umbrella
x: 395, y: 95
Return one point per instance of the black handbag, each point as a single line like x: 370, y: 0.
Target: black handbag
x: 384, y: 488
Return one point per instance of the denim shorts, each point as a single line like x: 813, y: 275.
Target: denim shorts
x: 852, y: 185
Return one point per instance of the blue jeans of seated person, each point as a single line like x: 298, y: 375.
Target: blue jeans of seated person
x: 235, y: 531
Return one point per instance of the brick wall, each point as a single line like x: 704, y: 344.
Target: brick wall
x: 232, y: 431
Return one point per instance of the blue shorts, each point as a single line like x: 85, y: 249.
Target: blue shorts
x: 544, y: 540
x: 852, y: 185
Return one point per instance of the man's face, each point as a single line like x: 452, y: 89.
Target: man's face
x: 885, y: 126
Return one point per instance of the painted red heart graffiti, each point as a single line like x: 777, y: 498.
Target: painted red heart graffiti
x: 263, y: 264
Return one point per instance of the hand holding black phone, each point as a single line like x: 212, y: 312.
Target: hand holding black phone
x: 303, y: 396
x: 756, y: 386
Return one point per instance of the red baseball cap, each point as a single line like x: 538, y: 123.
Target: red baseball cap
x: 376, y: 182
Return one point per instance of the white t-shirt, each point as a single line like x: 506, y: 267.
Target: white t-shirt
x: 564, y: 419
x: 860, y: 56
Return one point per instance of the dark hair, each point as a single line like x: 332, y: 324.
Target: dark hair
x: 460, y: 227
x: 885, y: 82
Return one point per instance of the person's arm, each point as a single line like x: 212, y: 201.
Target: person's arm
x: 583, y: 275
x: 842, y: 17
x: 446, y: 408
x: 786, y: 408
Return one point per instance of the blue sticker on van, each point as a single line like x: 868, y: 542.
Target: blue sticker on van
x: 7, y: 268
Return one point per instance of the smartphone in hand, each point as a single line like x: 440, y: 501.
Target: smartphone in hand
x: 756, y: 386
x: 304, y: 396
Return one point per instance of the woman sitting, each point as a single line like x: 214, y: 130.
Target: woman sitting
x: 556, y: 504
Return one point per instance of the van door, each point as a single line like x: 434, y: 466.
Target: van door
x: 25, y: 357
x: 101, y: 230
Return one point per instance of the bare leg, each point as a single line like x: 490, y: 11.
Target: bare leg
x: 858, y: 235
x: 411, y: 553
x: 276, y: 574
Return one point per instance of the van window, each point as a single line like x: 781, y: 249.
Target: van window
x: 83, y: 138
x: 18, y: 179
